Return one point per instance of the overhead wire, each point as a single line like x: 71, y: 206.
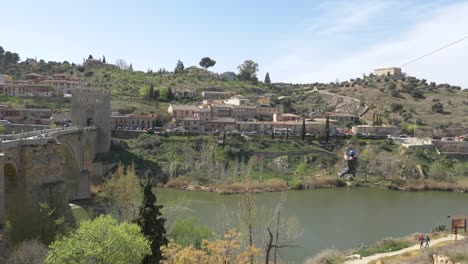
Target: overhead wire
x: 434, y: 51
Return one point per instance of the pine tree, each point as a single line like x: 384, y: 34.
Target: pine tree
x: 131, y: 67
x: 103, y: 59
x: 267, y: 78
x: 152, y: 223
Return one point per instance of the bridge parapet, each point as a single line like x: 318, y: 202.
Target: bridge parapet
x: 39, y: 137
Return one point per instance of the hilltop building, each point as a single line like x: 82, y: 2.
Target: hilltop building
x: 388, y: 71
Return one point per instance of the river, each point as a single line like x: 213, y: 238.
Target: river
x: 338, y: 218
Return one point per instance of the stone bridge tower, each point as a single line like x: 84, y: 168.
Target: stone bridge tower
x: 92, y: 108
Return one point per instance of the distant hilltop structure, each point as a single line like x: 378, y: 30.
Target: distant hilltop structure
x: 387, y: 71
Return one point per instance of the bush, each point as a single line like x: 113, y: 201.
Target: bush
x: 438, y: 170
x: 296, y: 184
x: 89, y: 74
x: 461, y: 169
x: 396, y: 107
x: 189, y: 231
x: 28, y: 252
x: 438, y: 108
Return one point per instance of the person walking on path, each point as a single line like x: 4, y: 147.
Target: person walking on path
x: 421, y: 240
x: 428, y: 239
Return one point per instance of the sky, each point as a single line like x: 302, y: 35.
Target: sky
x: 301, y: 41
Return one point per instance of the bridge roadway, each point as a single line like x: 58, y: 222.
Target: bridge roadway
x: 52, y: 166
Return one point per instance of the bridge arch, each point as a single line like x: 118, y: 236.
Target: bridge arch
x: 15, y: 199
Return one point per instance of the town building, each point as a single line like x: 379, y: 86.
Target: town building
x: 388, y: 71
x: 376, y: 130
x: 132, y: 121
x: 40, y: 85
x: 185, y: 93
x: 216, y: 95
x: 343, y: 117
x: 179, y: 112
x: 92, y: 62
x: 228, y: 76
x: 237, y: 100
x: 281, y: 117
x: 25, y: 116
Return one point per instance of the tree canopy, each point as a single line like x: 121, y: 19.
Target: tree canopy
x: 179, y: 67
x: 207, y: 62
x: 248, y: 70
x: 100, y: 241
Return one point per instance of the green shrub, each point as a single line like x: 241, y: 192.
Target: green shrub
x: 438, y: 170
x: 461, y: 169
x: 189, y: 231
x: 296, y: 184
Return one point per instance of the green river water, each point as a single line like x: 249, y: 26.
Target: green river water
x: 334, y: 218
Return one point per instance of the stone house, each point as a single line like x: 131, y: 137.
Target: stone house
x: 185, y: 93
x: 388, y: 71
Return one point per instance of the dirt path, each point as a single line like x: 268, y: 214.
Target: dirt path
x: 402, y: 251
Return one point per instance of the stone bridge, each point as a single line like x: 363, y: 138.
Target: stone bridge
x: 52, y: 166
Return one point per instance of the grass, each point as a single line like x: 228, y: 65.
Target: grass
x: 387, y: 245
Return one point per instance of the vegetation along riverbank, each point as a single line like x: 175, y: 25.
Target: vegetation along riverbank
x: 263, y: 164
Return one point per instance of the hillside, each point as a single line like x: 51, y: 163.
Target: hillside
x: 399, y: 100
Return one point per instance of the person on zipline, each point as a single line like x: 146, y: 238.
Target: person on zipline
x: 351, y: 160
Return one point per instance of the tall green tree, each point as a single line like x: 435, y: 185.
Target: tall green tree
x: 104, y: 59
x: 207, y: 62
x: 248, y: 70
x: 179, y: 67
x: 151, y: 91
x: 267, y: 78
x: 151, y: 221
x: 327, y: 129
x: 90, y: 57
x: 100, y: 241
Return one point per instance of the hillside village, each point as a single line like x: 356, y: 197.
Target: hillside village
x: 249, y: 108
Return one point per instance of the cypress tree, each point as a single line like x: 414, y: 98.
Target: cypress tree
x: 267, y: 78
x: 152, y: 223
x: 327, y: 129
x: 151, y: 91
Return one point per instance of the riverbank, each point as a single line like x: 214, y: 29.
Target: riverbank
x: 399, y: 250
x: 277, y: 185
x: 443, y: 246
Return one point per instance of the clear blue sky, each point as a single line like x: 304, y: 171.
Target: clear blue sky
x: 296, y: 41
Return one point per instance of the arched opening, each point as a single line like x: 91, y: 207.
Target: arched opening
x: 89, y: 117
x: 15, y: 200
x: 70, y: 173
